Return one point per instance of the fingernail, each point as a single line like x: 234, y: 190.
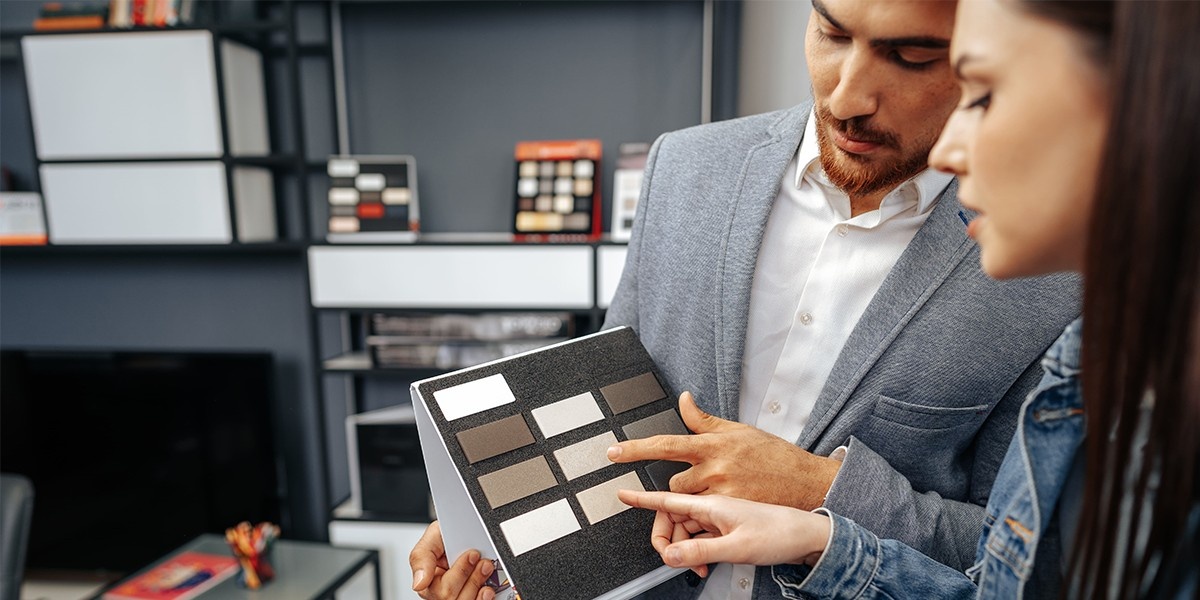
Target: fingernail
x: 487, y: 568
x: 488, y: 594
x: 674, y: 556
x: 614, y: 452
x: 473, y: 558
x: 418, y: 577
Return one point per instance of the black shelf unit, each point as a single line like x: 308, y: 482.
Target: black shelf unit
x: 274, y: 32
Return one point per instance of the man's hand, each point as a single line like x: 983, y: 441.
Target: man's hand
x: 435, y: 579
x: 732, y: 459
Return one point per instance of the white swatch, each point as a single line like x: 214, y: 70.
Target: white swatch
x: 473, y: 397
x: 539, y: 527
x: 565, y: 415
x: 601, y: 502
x: 370, y: 182
x: 586, y: 456
x: 342, y: 168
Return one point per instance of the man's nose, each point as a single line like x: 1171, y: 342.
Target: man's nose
x: 857, y: 91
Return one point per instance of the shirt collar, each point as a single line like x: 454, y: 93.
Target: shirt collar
x: 924, y: 187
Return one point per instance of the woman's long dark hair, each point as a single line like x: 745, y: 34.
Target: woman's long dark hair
x: 1141, y: 328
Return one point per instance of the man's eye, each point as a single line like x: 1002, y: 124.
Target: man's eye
x: 909, y: 64
x: 833, y: 37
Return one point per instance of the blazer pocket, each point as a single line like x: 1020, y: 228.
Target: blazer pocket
x: 929, y: 418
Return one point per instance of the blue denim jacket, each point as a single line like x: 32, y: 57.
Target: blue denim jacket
x: 857, y: 564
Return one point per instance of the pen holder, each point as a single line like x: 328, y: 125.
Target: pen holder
x: 256, y: 571
x: 252, y: 548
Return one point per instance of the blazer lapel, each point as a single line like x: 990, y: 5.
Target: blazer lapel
x: 934, y: 252
x: 756, y: 191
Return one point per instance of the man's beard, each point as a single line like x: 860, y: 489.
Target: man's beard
x: 858, y: 175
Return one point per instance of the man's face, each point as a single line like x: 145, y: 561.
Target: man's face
x: 882, y: 85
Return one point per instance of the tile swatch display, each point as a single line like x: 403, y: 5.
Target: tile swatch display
x: 557, y: 188
x: 372, y: 198
x: 527, y: 438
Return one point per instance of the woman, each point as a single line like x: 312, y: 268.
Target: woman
x: 1078, y: 143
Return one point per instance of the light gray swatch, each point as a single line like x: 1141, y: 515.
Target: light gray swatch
x: 518, y: 481
x: 539, y: 527
x: 565, y: 415
x: 666, y: 422
x: 586, y: 456
x: 600, y: 502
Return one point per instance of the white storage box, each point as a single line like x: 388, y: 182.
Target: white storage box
x: 156, y: 203
x: 142, y: 95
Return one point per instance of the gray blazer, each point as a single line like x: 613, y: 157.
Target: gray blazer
x: 926, y: 390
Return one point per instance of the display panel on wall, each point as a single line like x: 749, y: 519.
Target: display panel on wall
x: 128, y: 131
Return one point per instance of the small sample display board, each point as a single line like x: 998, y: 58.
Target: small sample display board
x: 373, y: 199
x: 558, y: 190
x: 516, y: 451
x: 627, y: 188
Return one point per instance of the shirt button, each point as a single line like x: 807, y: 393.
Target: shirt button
x: 774, y: 407
x: 744, y: 583
x: 842, y: 230
x: 806, y: 318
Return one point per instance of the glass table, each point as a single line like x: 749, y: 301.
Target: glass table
x: 302, y: 570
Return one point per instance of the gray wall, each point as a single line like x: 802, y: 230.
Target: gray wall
x: 773, y: 73
x: 457, y: 84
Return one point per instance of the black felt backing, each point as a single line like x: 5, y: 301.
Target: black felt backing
x: 600, y: 557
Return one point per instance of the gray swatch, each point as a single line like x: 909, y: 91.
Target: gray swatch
x: 662, y: 471
x: 586, y: 456
x: 495, y: 438
x: 632, y: 393
x: 518, y: 481
x: 666, y: 422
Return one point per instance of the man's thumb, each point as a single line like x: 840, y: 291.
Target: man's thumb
x: 697, y: 420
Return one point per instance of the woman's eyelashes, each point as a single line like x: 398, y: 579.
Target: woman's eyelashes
x: 981, y: 102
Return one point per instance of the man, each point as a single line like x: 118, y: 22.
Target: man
x: 804, y: 273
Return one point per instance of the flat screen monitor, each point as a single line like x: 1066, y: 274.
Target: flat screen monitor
x: 132, y: 454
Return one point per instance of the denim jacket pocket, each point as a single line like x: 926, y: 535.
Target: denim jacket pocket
x: 929, y: 418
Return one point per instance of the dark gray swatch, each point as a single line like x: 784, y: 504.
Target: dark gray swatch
x: 632, y: 393
x: 666, y: 422
x: 495, y: 438
x: 518, y: 481
x: 661, y: 472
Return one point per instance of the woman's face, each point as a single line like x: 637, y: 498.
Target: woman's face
x: 1027, y: 138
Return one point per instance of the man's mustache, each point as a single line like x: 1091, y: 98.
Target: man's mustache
x: 858, y: 129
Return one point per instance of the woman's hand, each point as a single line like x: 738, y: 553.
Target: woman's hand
x: 696, y: 531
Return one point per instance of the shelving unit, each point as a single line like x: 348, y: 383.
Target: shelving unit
x: 623, y: 71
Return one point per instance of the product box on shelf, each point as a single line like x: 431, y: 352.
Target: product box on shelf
x: 558, y: 190
x: 387, y: 471
x: 373, y: 199
x: 454, y: 341
x: 627, y: 188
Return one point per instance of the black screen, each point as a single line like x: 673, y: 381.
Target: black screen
x: 133, y: 454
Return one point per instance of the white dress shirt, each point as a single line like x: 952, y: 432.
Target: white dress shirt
x: 817, y: 270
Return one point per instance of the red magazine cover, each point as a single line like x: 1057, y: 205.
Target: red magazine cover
x: 179, y: 578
